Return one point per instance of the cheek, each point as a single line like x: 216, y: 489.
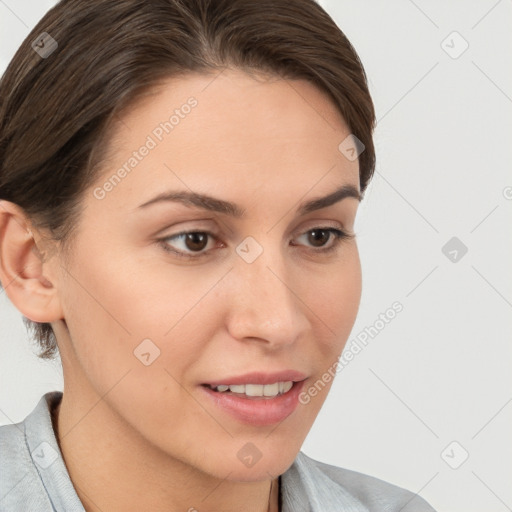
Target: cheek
x: 123, y: 314
x: 138, y: 297
x: 334, y: 299
x: 343, y: 303
x: 113, y: 303
x: 335, y: 302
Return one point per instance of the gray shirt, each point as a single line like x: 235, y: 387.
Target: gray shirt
x: 34, y: 478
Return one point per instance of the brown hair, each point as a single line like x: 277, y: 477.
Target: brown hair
x: 55, y: 109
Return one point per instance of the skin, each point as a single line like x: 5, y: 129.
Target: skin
x: 267, y: 145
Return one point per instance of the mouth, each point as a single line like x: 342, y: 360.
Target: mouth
x: 254, y: 391
x: 256, y: 403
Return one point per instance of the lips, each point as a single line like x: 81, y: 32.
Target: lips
x: 259, y: 378
x: 257, y: 410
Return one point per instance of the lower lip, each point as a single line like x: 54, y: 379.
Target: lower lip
x: 258, y: 411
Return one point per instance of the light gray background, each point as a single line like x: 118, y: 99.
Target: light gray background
x: 440, y: 371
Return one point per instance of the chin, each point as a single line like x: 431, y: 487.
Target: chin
x: 250, y: 464
x: 259, y: 472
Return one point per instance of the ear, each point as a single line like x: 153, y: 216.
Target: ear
x: 23, y: 265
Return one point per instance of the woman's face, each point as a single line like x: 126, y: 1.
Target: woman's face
x: 264, y: 291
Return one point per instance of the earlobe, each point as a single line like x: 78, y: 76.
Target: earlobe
x: 23, y: 266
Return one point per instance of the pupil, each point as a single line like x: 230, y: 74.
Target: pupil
x: 196, y: 238
x: 315, y: 238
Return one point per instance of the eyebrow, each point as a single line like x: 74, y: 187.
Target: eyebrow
x: 206, y: 202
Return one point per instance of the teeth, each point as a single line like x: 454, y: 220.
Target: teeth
x: 254, y: 389
x: 271, y: 389
x: 278, y: 388
x: 237, y: 388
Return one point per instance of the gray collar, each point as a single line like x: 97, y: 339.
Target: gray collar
x: 47, y: 458
x: 306, y: 488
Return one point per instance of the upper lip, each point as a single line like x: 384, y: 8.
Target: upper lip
x: 260, y: 378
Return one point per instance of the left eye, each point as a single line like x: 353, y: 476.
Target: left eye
x: 197, y: 241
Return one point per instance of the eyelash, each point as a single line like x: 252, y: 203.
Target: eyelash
x: 339, y: 236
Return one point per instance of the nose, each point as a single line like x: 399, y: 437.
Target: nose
x: 263, y: 304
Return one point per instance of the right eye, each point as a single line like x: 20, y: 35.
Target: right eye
x: 192, y: 239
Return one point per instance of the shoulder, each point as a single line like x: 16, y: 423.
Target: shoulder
x: 338, y: 485
x: 20, y: 485
x: 21, y: 445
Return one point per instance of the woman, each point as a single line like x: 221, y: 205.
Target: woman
x: 178, y: 188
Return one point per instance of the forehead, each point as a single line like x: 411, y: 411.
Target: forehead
x: 253, y: 130
x: 243, y: 92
